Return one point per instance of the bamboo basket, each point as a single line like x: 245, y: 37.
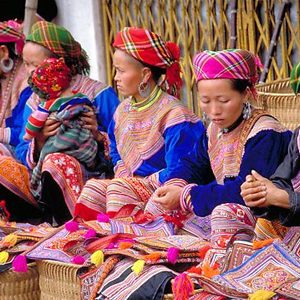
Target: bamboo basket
x: 279, y: 100
x: 20, y: 286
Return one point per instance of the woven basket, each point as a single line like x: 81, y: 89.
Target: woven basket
x: 279, y: 100
x: 58, y: 280
x: 20, y: 286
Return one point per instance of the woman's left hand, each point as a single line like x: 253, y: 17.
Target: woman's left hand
x: 89, y: 121
x: 168, y: 197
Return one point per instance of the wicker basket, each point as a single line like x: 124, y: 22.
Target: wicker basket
x: 58, y: 280
x: 279, y: 100
x: 20, y: 286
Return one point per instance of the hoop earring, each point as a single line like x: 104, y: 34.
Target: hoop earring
x: 6, y: 65
x: 144, y: 89
x: 247, y: 111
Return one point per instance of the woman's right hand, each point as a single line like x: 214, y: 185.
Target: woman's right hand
x: 50, y: 128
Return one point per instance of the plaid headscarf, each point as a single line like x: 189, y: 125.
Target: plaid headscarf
x: 295, y: 79
x: 227, y: 64
x: 149, y: 48
x: 50, y: 78
x: 11, y: 32
x: 60, y: 41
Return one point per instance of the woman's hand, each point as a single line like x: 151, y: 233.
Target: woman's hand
x: 50, y: 128
x: 168, y: 197
x: 258, y: 191
x: 89, y: 121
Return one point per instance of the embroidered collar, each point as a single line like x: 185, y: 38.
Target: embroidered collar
x: 139, y: 106
x: 231, y: 127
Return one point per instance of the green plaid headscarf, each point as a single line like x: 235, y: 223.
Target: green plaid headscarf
x: 295, y: 79
x: 60, y: 41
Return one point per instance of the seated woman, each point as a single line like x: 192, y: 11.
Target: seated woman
x: 13, y: 82
x: 62, y: 175
x: 150, y: 131
x: 277, y: 199
x: 239, y: 138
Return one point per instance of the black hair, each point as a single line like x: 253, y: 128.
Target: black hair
x: 156, y: 72
x: 11, y: 49
x: 240, y: 85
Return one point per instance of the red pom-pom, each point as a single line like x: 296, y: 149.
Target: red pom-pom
x: 78, y: 260
x: 174, y: 49
x: 72, y: 226
x: 182, y: 287
x: 103, y: 218
x: 19, y: 264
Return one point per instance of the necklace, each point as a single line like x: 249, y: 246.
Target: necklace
x: 231, y: 127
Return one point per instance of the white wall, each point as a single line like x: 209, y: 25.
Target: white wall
x: 82, y: 19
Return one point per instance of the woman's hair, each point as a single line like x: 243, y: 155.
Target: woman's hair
x: 240, y: 85
x: 156, y: 72
x: 11, y: 49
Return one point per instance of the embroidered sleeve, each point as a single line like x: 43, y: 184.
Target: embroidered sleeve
x: 185, y: 198
x: 121, y: 171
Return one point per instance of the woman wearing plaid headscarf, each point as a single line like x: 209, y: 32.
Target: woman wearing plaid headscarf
x: 150, y: 130
x: 239, y: 139
x: 62, y: 176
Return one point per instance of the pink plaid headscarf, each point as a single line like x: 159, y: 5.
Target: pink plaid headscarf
x: 227, y: 64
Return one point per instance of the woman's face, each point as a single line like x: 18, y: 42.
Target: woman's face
x: 129, y: 74
x: 34, y: 55
x: 222, y: 104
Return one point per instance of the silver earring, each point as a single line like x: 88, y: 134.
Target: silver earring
x: 6, y: 65
x: 247, y: 111
x: 144, y: 89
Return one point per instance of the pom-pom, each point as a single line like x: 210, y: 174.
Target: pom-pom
x: 138, y: 266
x: 172, y: 255
x: 19, y: 264
x: 3, y: 257
x: 262, y: 295
x: 111, y: 246
x: 209, y: 271
x: 78, y: 260
x: 152, y: 257
x: 9, y: 240
x: 260, y: 244
x: 103, y: 218
x: 72, y: 226
x: 90, y: 234
x: 174, y: 49
x: 97, y: 258
x: 182, y: 287
x: 125, y: 245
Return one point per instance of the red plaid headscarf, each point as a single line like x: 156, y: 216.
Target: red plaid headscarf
x: 227, y: 64
x: 149, y: 48
x: 11, y: 32
x: 50, y: 78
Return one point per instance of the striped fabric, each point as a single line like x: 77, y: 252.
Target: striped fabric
x: 11, y: 32
x: 295, y: 79
x: 60, y: 41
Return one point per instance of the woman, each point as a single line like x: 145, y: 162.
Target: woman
x: 63, y: 176
x: 151, y: 129
x: 277, y: 199
x: 12, y: 82
x: 239, y: 139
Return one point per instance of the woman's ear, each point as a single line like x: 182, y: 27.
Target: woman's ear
x: 147, y: 74
x: 4, y: 53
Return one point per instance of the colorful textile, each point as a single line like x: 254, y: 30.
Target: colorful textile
x: 265, y: 229
x: 11, y: 32
x: 289, y: 290
x: 218, y: 166
x: 198, y: 226
x: 70, y: 139
x: 295, y: 79
x: 227, y: 64
x: 50, y: 78
x: 149, y: 48
x: 144, y: 143
x: 60, y: 41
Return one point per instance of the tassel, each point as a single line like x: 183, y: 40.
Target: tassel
x: 260, y: 244
x: 172, y: 255
x: 125, y: 245
x: 9, y: 240
x: 103, y: 218
x: 262, y: 295
x: 90, y: 234
x: 138, y: 266
x: 97, y: 258
x: 203, y: 251
x: 19, y: 264
x: 78, y: 260
x: 209, y: 271
x: 111, y: 246
x: 72, y: 226
x: 3, y: 257
x: 152, y: 257
x: 182, y: 287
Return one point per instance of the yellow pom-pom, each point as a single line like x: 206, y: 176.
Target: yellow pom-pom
x: 138, y: 266
x: 262, y: 295
x: 9, y: 240
x: 3, y: 257
x: 97, y: 258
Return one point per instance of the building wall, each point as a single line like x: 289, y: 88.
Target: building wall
x: 82, y: 19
